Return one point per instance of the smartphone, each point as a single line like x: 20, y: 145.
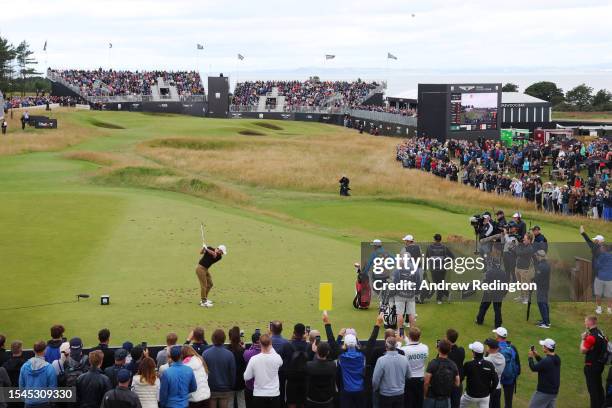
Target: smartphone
x: 270, y: 325
x: 143, y: 345
x: 258, y: 331
x: 437, y: 343
x: 317, y: 340
x: 307, y: 329
x: 401, y: 332
x: 532, y: 348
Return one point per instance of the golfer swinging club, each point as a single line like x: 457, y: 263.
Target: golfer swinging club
x: 210, y: 256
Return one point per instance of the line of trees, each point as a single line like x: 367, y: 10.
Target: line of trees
x: 580, y: 98
x: 17, y: 73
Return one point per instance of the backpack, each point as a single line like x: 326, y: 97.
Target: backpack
x: 296, y: 368
x: 52, y: 354
x: 511, y: 370
x: 606, y: 355
x: 70, y: 371
x: 443, y: 379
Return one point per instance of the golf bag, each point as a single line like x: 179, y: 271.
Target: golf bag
x: 363, y: 291
x: 388, y: 311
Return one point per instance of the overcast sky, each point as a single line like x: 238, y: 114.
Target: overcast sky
x: 284, y: 35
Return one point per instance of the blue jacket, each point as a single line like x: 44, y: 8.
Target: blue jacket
x: 604, y: 266
x: 37, y: 373
x: 221, y: 368
x: 177, y: 382
x: 352, y: 367
x: 390, y: 374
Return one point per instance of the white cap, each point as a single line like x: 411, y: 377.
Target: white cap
x: 516, y: 215
x: 486, y: 216
x: 377, y: 242
x: 223, y: 249
x: 350, y: 340
x: 501, y: 332
x: 477, y: 347
x: 548, y: 343
x: 408, y: 238
x: 599, y: 238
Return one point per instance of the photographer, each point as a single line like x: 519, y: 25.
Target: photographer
x: 484, y: 229
x: 501, y: 222
x: 549, y: 375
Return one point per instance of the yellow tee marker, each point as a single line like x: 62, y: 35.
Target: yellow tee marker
x: 325, y: 296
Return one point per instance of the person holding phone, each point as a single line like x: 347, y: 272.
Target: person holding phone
x: 549, y: 375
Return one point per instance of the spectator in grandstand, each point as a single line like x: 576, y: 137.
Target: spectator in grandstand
x: 480, y: 378
x: 199, y: 398
x: 162, y: 355
x: 351, y: 364
x: 321, y: 382
x: 549, y: 375
x: 512, y: 369
x: 92, y: 385
x: 52, y: 352
x: 222, y: 371
x: 37, y: 373
x: 15, y: 362
x: 263, y: 368
x: 197, y: 341
x: 122, y: 396
x: 236, y: 346
x: 109, y: 355
x: 4, y: 354
x: 593, y: 347
x: 145, y: 384
x: 499, y: 361
x: 176, y: 383
x: 248, y: 354
x: 417, y: 354
x: 457, y: 356
x: 112, y: 371
x: 441, y: 376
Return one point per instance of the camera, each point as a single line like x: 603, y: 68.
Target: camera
x: 476, y: 221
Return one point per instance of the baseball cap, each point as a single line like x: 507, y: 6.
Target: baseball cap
x: 486, y: 216
x: 599, y: 238
x: 492, y: 343
x: 123, y: 375
x: 477, y: 347
x: 501, y: 332
x: 350, y: 340
x: 516, y: 215
x: 120, y: 354
x: 76, y: 344
x: 175, y: 351
x: 548, y: 343
x: 223, y: 249
x: 408, y: 238
x: 376, y: 242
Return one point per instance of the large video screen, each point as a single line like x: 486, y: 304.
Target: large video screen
x: 474, y: 111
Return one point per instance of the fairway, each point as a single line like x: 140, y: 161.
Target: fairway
x: 111, y: 203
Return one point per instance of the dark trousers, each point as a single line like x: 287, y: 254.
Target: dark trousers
x: 592, y: 374
x: 266, y: 402
x: 495, y: 400
x: 544, y: 312
x: 392, y: 402
x: 508, y: 394
x: 414, y: 393
x: 248, y: 398
x: 455, y: 397
x: 484, y: 306
x: 437, y: 277
x: 352, y: 399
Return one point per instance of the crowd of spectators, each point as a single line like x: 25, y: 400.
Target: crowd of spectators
x: 387, y: 109
x: 310, y: 93
x: 302, y: 370
x: 38, y: 100
x: 101, y: 82
x: 568, y: 177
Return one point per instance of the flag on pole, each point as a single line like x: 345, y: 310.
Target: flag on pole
x: 200, y: 46
x: 391, y: 56
x: 240, y: 57
x: 45, y: 46
x: 329, y: 56
x: 110, y: 45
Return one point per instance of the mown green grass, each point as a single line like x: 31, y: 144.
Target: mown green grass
x: 133, y: 232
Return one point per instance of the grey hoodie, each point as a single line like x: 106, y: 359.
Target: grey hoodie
x: 499, y: 361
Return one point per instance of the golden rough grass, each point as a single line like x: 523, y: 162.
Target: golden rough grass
x: 110, y: 159
x: 315, y: 163
x: 67, y: 134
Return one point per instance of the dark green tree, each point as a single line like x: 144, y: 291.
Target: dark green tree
x: 602, y: 97
x: 7, y: 55
x: 581, y: 96
x: 546, y: 90
x: 24, y: 59
x: 510, y: 87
